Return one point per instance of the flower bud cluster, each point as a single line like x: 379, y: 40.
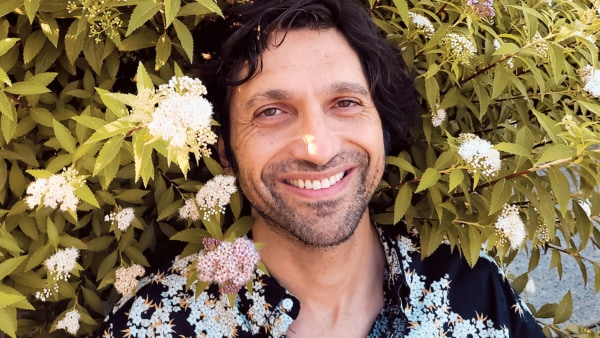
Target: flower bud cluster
x: 540, y: 47
x: 479, y: 154
x: 123, y: 218
x: 422, y: 23
x: 460, y: 47
x: 210, y: 199
x: 438, y: 117
x: 510, y: 226
x: 126, y: 279
x: 230, y: 265
x: 59, y: 267
x: 70, y: 322
x: 55, y: 190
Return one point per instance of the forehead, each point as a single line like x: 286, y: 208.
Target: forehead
x: 304, y: 58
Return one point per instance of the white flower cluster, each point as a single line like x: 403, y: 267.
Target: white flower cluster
x: 422, y: 23
x: 210, y: 199
x: 54, y: 190
x: 541, y: 47
x: 479, y: 154
x: 438, y: 117
x: 591, y: 79
x: 126, y: 279
x: 460, y: 47
x: 510, y: 226
x: 70, y: 322
x: 123, y: 218
x: 59, y: 267
x: 183, y: 116
x: 230, y: 265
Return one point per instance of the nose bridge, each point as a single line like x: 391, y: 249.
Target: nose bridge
x: 317, y: 135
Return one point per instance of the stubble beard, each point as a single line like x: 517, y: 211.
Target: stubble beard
x: 321, y: 224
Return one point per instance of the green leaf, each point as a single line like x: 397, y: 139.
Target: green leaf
x: 93, y: 123
x: 6, y: 107
x: 555, y: 152
x: 136, y: 255
x: 185, y: 38
x: 74, y: 41
x: 564, y: 309
x: 163, y: 51
x: 49, y: 27
x: 500, y: 81
x: 142, y: 13
x: 561, y: 189
x: 213, y: 166
x: 402, y: 7
x: 107, y: 153
x: 132, y: 195
x: 402, y: 202
x: 85, y: 194
x: 52, y: 233
x: 512, y: 148
x: 7, y: 44
x: 116, y: 102
x: 239, y: 228
x: 7, y: 299
x: 456, y: 178
x: 171, y: 9
x: 37, y: 257
x: 9, y: 324
x: 64, y: 137
x: 110, y: 130
x: 10, y: 265
x: 500, y: 195
x: 33, y: 45
x: 107, y: 265
x: 142, y: 155
x: 211, y: 5
x: 429, y: 178
x: 549, y: 125
x: 194, y: 235
x: 401, y: 163
x: 27, y: 88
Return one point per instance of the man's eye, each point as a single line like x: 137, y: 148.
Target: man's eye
x: 269, y: 112
x: 347, y: 103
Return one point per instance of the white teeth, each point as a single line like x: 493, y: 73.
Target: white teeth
x: 317, y: 184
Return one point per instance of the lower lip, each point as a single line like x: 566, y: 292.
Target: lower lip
x: 323, y: 192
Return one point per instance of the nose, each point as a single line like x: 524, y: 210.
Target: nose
x: 316, y: 138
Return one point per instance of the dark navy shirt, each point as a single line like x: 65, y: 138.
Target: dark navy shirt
x: 439, y: 296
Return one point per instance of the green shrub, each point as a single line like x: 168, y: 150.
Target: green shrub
x: 510, y: 138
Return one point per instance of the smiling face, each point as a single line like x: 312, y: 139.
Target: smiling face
x: 307, y: 139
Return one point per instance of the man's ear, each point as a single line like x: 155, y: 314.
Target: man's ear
x: 221, y: 150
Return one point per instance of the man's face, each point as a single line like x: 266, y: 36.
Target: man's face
x: 308, y: 139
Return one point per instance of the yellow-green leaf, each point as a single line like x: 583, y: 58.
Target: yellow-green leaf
x: 33, y: 45
x: 64, y: 137
x: 27, y: 88
x: 85, y: 194
x: 107, y: 153
x: 555, y: 152
x: 402, y: 202
x: 171, y: 10
x: 564, y: 309
x: 6, y: 107
x: 49, y: 27
x: 52, y: 233
x: 10, y: 265
x: 429, y: 178
x: 211, y: 5
x: 74, y: 41
x: 185, y: 38
x: 143, y: 12
x: 163, y: 51
x: 7, y: 44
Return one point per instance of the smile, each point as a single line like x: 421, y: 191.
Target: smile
x: 317, y: 184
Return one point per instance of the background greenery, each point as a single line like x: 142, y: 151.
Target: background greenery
x: 59, y: 62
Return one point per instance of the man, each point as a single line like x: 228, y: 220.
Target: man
x: 310, y: 99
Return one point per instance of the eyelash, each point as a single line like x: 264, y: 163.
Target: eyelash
x: 344, y: 103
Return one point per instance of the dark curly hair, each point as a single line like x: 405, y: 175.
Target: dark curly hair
x: 245, y: 33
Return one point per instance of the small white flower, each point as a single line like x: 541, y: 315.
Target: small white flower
x: 438, y: 117
x: 210, y: 199
x: 123, y: 218
x: 479, y: 154
x: 541, y: 47
x: 126, y: 279
x: 459, y: 47
x: 62, y: 262
x: 591, y: 79
x: 530, y: 286
x: 510, y: 225
x: 70, y: 322
x: 422, y: 23
x: 54, y: 190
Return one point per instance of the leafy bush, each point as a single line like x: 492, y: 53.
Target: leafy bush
x: 509, y: 149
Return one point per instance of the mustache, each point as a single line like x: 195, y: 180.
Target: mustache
x: 342, y: 158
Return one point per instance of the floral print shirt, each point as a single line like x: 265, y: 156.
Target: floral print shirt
x: 439, y: 296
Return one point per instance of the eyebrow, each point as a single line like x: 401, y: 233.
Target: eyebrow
x: 334, y: 88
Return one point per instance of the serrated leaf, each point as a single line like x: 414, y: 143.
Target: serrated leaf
x: 549, y: 125
x: 132, y: 195
x: 429, y: 178
x: 93, y: 123
x: 561, y: 189
x: 512, y: 148
x: 213, y: 166
x: 402, y: 202
x: 401, y: 163
x: 143, y: 79
x: 555, y: 152
x: 185, y: 38
x: 500, y: 81
x: 170, y: 210
x: 211, y: 5
x: 107, y: 153
x: 171, y: 9
x: 194, y: 235
x: 564, y: 309
x: 402, y: 7
x: 85, y: 194
x: 456, y: 178
x: 49, y: 27
x: 163, y: 51
x: 37, y: 257
x: 143, y: 12
x: 107, y: 265
x: 239, y: 228
x: 10, y: 265
x: 8, y: 326
x: 110, y: 130
x: 52, y: 233
x: 500, y: 195
x: 64, y: 137
x: 6, y: 107
x: 74, y: 41
x: 136, y: 255
x: 7, y: 44
x: 27, y: 88
x: 33, y: 45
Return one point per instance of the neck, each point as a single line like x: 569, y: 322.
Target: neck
x: 328, y: 281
